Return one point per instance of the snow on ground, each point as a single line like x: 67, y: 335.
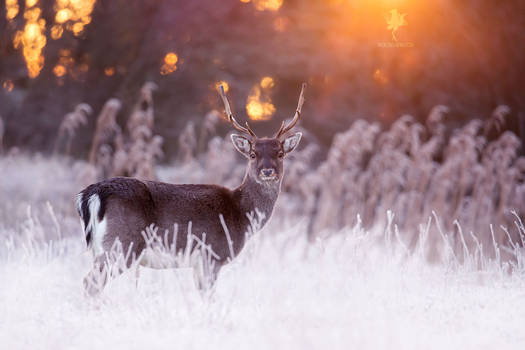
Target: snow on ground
x: 349, y: 291
x: 280, y: 293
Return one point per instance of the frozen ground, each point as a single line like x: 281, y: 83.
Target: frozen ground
x: 350, y: 291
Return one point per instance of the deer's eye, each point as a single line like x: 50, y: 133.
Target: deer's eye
x: 252, y: 155
x: 281, y: 154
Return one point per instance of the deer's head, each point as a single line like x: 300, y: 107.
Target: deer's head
x: 265, y: 154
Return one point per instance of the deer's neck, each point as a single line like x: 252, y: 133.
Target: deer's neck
x: 261, y: 196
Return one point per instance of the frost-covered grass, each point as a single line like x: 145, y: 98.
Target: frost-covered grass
x: 356, y: 289
x: 343, y: 292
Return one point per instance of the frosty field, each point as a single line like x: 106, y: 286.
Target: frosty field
x: 355, y: 288
x: 373, y: 150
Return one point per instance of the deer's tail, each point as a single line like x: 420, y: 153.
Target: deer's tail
x: 91, y: 214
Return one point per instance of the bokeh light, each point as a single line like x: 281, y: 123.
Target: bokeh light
x: 73, y: 15
x: 224, y: 84
x: 169, y: 63
x: 109, y: 71
x: 11, y: 9
x: 259, y: 105
x: 267, y: 83
x: 380, y: 77
x: 56, y: 31
x: 263, y: 5
x: 59, y: 70
x: 8, y: 85
x: 32, y: 39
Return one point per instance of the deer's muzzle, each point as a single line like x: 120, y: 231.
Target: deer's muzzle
x: 268, y: 174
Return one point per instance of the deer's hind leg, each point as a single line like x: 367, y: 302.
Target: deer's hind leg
x: 109, y: 265
x: 115, y: 237
x: 97, y: 278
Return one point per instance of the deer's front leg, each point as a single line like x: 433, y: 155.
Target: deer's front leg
x: 97, y: 278
x: 205, y: 271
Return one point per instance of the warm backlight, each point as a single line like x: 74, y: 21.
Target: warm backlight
x: 169, y: 64
x: 263, y: 5
x: 224, y: 84
x: 32, y: 39
x: 71, y: 15
x: 11, y: 9
x: 259, y: 105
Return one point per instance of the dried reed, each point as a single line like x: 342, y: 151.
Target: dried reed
x: 68, y: 128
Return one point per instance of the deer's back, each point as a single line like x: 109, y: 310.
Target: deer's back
x: 127, y: 206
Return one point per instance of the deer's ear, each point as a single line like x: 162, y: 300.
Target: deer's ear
x: 291, y: 142
x: 242, y: 144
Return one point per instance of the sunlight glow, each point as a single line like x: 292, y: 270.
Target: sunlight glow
x: 109, y: 71
x: 59, y: 70
x: 224, y: 85
x: 280, y: 24
x: 380, y: 77
x: 170, y: 63
x: 56, y: 31
x: 66, y: 64
x: 11, y: 9
x: 259, y: 104
x: 271, y: 5
x: 8, y: 85
x: 263, y: 5
x: 32, y: 39
x: 73, y: 15
x: 267, y: 83
x: 63, y: 15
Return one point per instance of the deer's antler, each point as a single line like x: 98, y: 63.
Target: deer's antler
x: 284, y: 129
x: 231, y: 119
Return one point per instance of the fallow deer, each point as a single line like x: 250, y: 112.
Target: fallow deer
x: 120, y: 209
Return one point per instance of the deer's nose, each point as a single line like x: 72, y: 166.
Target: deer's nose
x: 268, y: 172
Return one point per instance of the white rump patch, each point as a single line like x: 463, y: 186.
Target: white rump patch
x: 98, y: 228
x: 79, y: 203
